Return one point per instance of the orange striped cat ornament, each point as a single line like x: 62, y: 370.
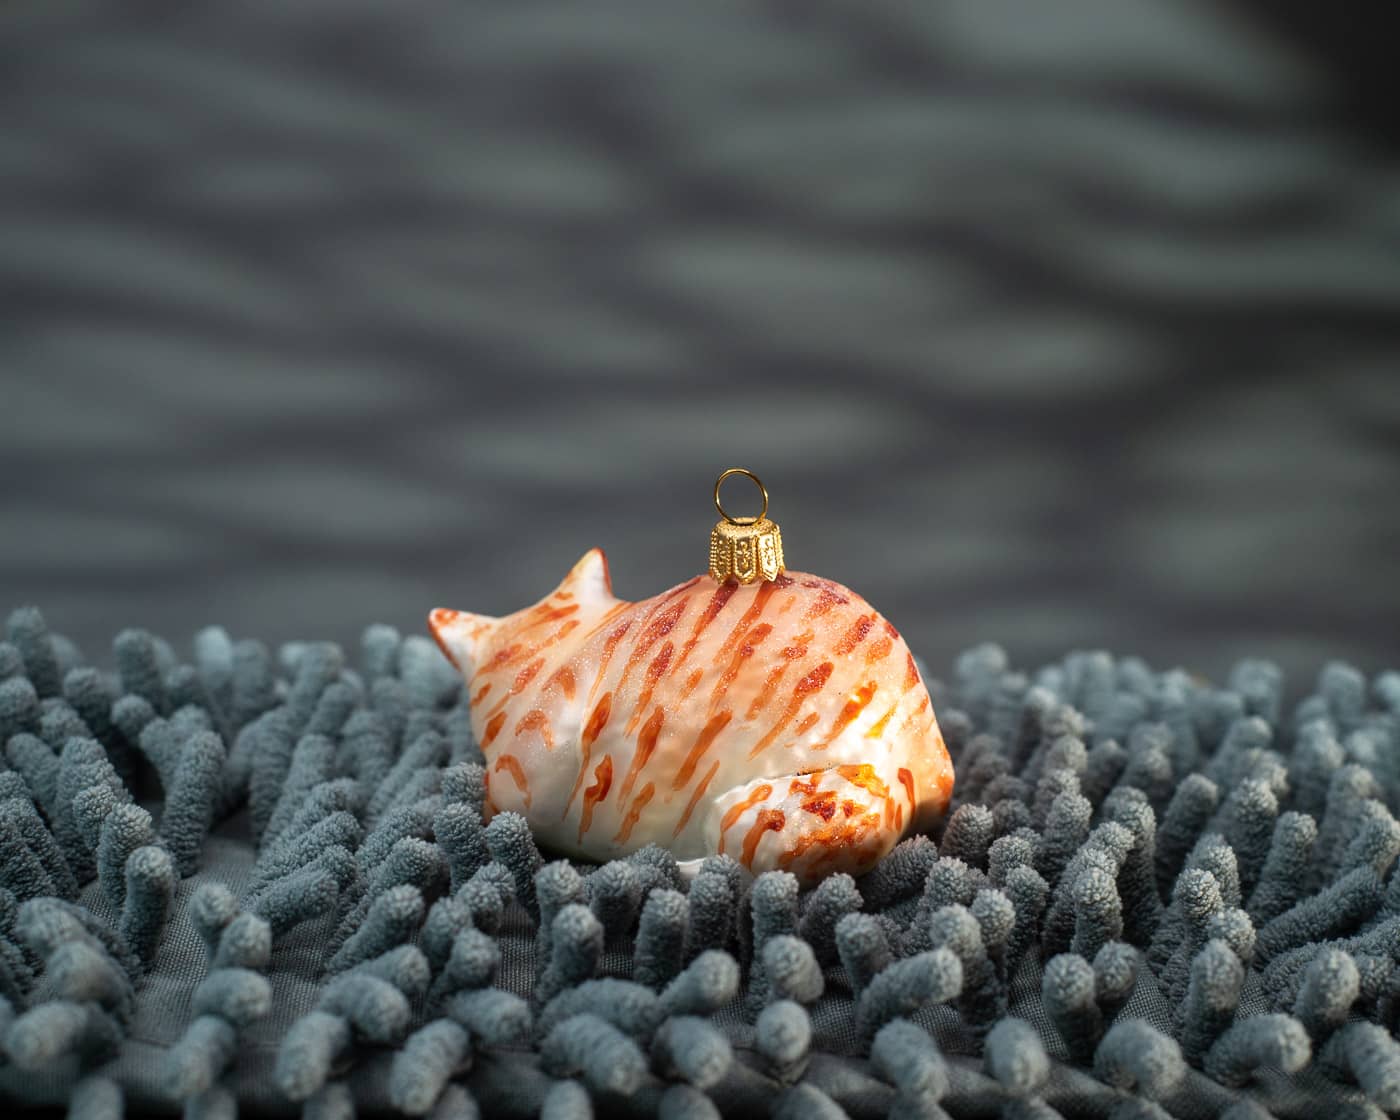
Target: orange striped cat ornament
x: 778, y: 718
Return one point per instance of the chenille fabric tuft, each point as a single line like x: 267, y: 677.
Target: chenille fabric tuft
x: 237, y: 881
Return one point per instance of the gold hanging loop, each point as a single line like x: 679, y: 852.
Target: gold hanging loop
x: 761, y: 489
x: 747, y: 549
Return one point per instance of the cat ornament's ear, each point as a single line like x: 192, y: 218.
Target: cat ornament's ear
x: 588, y: 582
x: 465, y: 637
x: 462, y: 636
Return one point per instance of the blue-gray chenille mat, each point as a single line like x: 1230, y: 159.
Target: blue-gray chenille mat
x: 249, y: 884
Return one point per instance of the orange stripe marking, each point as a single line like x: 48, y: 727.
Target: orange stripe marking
x: 760, y: 601
x: 634, y: 813
x: 661, y: 624
x: 909, y: 720
x: 812, y: 682
x: 595, y: 793
x: 736, y: 811
x: 564, y: 678
x: 800, y: 846
x: 879, y: 650
x: 538, y: 615
x: 807, y: 788
x: 563, y: 632
x: 723, y: 593
x: 694, y: 797
x: 522, y: 681
x: 596, y: 722
x: 511, y: 765
x: 525, y: 676
x: 835, y: 837
x: 822, y: 804
x: 751, y: 642
x: 878, y: 727
x: 768, y: 820
x: 707, y: 735
x: 502, y: 656
x: 646, y: 743
x: 536, y: 720
x: 855, y: 635
x: 654, y: 673
x: 855, y: 704
x: 827, y: 597
x: 865, y: 777
x: 765, y: 693
x: 791, y: 653
x: 609, y: 648
x: 493, y: 728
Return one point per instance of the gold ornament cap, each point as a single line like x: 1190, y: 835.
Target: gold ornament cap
x: 747, y: 549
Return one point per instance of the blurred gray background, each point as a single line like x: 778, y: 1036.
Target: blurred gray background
x: 1061, y: 325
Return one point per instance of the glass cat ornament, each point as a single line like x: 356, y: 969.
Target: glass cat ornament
x: 779, y: 720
